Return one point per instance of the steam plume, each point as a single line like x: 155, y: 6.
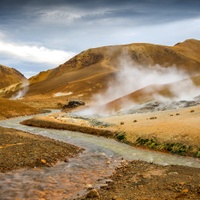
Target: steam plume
x: 23, y: 91
x: 131, y: 77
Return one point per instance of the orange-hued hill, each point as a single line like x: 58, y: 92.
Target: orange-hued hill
x: 9, y: 76
x: 91, y: 71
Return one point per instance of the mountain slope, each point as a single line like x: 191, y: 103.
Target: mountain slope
x: 184, y: 55
x: 92, y: 70
x: 9, y: 76
x: 181, y: 90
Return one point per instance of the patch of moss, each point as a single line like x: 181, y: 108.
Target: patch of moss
x: 175, y: 148
x: 197, y: 153
x: 120, y: 136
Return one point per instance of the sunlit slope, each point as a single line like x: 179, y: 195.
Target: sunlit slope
x: 9, y: 76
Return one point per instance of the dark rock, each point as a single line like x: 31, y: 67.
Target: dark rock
x: 74, y: 104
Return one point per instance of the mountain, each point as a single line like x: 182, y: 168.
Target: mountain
x: 182, y: 90
x: 9, y: 76
x: 92, y: 71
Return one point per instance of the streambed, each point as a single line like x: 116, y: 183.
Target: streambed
x: 67, y: 180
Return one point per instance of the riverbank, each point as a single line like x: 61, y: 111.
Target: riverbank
x: 174, y: 131
x: 19, y: 149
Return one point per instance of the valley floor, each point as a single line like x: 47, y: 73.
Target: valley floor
x: 133, y: 180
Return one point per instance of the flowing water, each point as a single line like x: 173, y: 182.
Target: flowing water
x: 68, y: 180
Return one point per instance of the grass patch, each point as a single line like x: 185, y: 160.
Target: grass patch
x: 174, y: 148
x: 197, y: 153
x: 121, y: 136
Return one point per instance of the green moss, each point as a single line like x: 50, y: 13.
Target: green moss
x: 175, y: 148
x: 197, y: 154
x: 120, y: 136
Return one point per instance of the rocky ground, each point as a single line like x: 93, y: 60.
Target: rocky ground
x: 139, y: 180
x: 20, y: 150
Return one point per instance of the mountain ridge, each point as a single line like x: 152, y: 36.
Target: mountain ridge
x: 9, y: 76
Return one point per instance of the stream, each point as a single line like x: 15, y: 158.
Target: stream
x: 70, y: 180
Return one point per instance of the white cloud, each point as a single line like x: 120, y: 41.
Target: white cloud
x: 35, y: 54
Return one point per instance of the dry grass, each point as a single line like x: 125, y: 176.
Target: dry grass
x: 166, y: 126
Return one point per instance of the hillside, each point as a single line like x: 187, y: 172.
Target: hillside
x: 92, y: 71
x: 9, y: 76
x: 10, y: 108
x: 181, y: 90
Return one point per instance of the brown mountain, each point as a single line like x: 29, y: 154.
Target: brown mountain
x: 9, y: 76
x: 90, y: 71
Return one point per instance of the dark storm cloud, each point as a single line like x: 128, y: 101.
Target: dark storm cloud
x: 171, y: 9
x: 41, y: 27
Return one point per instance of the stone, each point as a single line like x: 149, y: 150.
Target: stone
x: 43, y: 161
x: 93, y: 194
x: 89, y: 186
x: 173, y: 173
x: 103, y: 185
x: 108, y: 162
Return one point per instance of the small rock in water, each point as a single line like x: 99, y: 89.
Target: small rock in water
x: 93, y: 194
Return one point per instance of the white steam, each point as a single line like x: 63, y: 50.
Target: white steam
x: 130, y: 78
x: 23, y: 91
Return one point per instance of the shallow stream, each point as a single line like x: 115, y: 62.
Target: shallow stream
x: 69, y: 180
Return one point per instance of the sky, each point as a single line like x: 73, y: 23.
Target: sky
x: 37, y: 35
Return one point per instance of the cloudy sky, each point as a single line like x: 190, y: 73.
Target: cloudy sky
x: 36, y: 35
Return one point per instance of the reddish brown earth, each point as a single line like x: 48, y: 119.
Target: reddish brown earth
x: 139, y: 180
